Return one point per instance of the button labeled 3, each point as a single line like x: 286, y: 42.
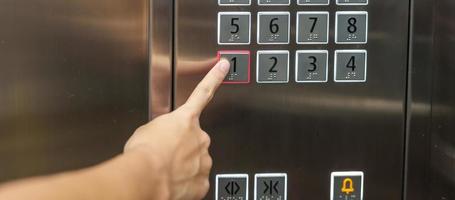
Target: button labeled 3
x: 240, y: 66
x: 272, y: 67
x: 313, y: 2
x: 312, y: 27
x: 234, y: 28
x: 234, y: 2
x: 274, y: 2
x: 273, y: 28
x: 270, y: 187
x: 311, y: 66
x: 350, y: 66
x: 351, y: 27
x: 346, y: 186
x: 231, y: 187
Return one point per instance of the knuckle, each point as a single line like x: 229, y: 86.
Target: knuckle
x: 206, y: 91
x: 205, y: 138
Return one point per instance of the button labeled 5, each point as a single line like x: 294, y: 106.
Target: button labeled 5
x: 234, y: 2
x: 311, y: 66
x: 234, y: 28
x: 272, y: 67
x: 312, y: 27
x: 273, y: 27
x: 350, y: 66
x: 239, y: 73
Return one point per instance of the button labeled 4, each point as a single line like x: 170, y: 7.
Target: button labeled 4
x: 350, y: 66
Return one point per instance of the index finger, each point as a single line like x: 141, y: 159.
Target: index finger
x: 205, y: 90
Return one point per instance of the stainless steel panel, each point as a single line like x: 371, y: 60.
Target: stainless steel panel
x: 161, y: 56
x: 73, y: 82
x: 305, y: 130
x: 431, y: 142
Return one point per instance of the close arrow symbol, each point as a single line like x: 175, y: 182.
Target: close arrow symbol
x: 275, y: 187
x: 266, y: 187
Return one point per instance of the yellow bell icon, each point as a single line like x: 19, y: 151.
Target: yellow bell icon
x: 348, y: 186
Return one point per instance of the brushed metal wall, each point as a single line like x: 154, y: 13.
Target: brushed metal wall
x: 73, y: 82
x: 431, y: 138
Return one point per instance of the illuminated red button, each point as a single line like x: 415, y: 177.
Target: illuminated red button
x: 240, y: 71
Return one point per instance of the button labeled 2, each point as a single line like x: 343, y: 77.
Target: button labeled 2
x: 351, y: 27
x: 273, y: 27
x: 239, y: 73
x: 311, y: 66
x: 313, y: 2
x: 231, y: 187
x: 312, y: 27
x: 350, y: 66
x: 272, y: 67
x: 270, y: 187
x: 234, y: 28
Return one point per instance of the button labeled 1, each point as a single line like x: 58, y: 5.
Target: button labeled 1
x: 273, y: 28
x: 272, y: 67
x: 346, y: 186
x: 234, y: 2
x: 351, y: 27
x: 350, y: 66
x: 312, y: 27
x: 270, y: 187
x: 231, y: 187
x: 352, y: 2
x: 274, y: 2
x: 234, y: 28
x: 240, y: 66
x: 313, y: 2
x: 311, y: 66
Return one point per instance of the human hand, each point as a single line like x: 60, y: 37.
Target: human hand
x: 176, y: 145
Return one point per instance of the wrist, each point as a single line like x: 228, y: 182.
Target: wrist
x: 149, y: 174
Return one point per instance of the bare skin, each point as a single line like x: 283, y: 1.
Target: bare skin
x: 165, y: 159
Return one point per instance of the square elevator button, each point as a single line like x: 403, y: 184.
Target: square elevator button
x: 240, y: 61
x: 313, y: 2
x: 312, y: 27
x: 351, y: 27
x: 346, y: 186
x: 272, y: 66
x: 234, y: 28
x: 274, y: 2
x: 352, y: 2
x: 350, y: 66
x: 234, y: 2
x: 311, y: 66
x: 273, y: 27
x: 231, y: 187
x: 270, y: 187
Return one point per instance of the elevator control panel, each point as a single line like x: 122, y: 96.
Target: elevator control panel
x: 306, y: 54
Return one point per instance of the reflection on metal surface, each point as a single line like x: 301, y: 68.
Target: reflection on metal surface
x: 73, y: 82
x: 161, y: 47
